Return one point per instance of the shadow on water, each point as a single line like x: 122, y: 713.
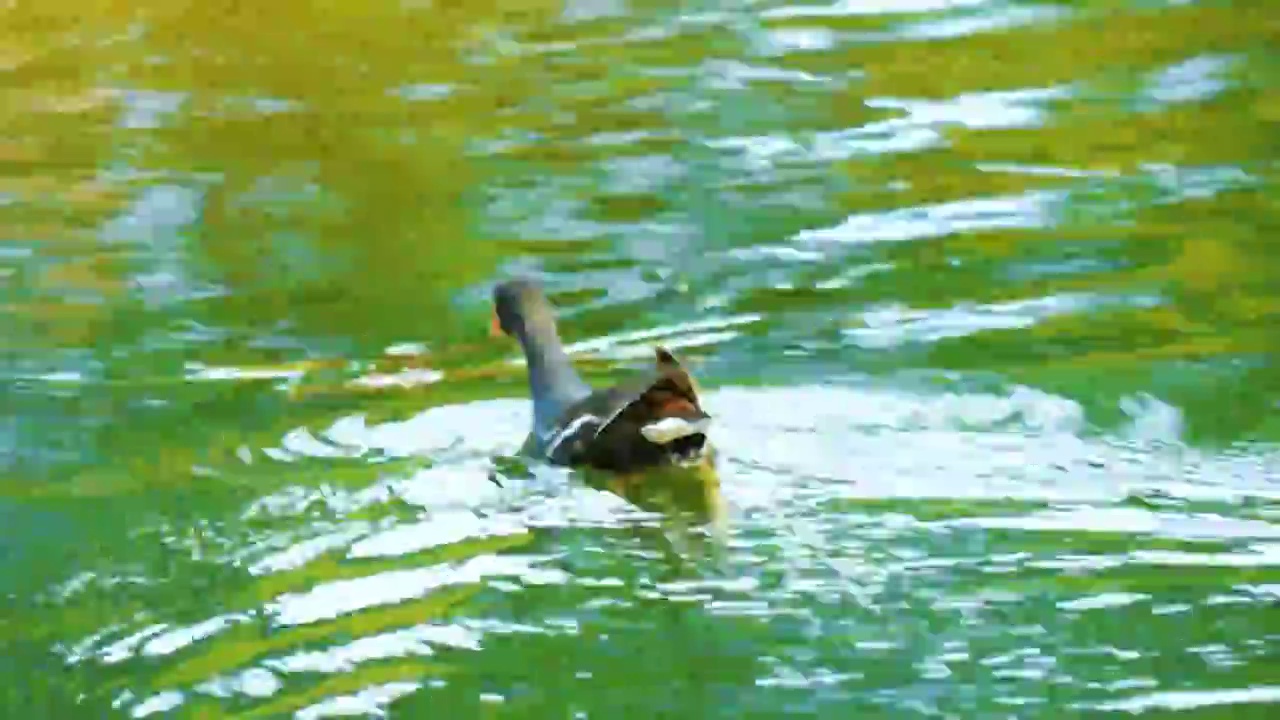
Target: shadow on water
x: 982, y: 294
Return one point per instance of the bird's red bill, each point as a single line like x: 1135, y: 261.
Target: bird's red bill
x: 495, y: 328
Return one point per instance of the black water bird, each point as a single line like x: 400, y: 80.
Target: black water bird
x: 651, y: 420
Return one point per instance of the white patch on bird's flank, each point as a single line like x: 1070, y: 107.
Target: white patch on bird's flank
x: 673, y: 428
x: 568, y: 432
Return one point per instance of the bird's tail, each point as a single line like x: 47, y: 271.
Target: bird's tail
x: 672, y: 404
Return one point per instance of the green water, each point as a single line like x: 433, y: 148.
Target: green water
x: 982, y: 296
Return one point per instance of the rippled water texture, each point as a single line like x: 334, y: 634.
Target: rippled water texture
x: 981, y: 293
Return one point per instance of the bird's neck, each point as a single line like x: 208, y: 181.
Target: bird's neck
x: 553, y: 382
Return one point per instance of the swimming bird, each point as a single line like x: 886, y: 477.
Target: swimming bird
x: 651, y: 420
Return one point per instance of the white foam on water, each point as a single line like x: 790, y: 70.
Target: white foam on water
x: 254, y: 682
x: 997, y: 19
x: 1033, y: 209
x: 342, y: 597
x: 668, y: 335
x: 1102, y: 601
x: 368, y: 702
x: 889, y: 325
x: 304, y: 551
x: 125, y: 648
x: 444, y: 528
x: 416, y: 641
x: 843, y: 8
x: 410, y: 377
x: 179, y: 638
x: 1181, y: 700
x: 1195, y: 79
x: 920, y: 125
x: 159, y: 703
x: 211, y: 373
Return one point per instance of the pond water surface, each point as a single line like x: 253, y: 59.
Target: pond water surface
x: 982, y: 295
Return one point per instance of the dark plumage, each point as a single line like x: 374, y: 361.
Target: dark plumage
x: 651, y: 420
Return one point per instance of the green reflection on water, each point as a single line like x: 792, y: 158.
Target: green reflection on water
x: 219, y: 220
